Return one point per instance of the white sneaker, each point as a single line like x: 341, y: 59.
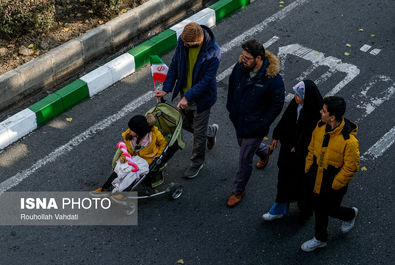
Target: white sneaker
x: 348, y: 225
x: 312, y: 245
x: 270, y: 217
x: 212, y: 139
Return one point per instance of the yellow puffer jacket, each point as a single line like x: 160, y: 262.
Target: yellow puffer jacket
x: 152, y: 150
x: 333, y: 156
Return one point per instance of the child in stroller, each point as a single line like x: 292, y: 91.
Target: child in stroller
x: 144, y: 142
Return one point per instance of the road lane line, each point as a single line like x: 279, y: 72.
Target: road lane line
x: 381, y: 145
x: 261, y: 26
x: 15, y: 180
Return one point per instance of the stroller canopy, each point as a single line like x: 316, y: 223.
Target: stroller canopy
x: 169, y: 123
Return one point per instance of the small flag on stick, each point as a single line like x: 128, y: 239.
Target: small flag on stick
x: 158, y: 68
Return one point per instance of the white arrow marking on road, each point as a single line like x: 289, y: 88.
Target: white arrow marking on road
x: 319, y: 59
x: 261, y: 26
x: 381, y: 146
x: 15, y: 180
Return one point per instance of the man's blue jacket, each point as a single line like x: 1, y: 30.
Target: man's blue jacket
x: 254, y: 103
x: 204, y: 85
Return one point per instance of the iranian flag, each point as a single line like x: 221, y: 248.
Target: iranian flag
x: 158, y: 68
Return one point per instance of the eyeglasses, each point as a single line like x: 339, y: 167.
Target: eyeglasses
x: 247, y: 58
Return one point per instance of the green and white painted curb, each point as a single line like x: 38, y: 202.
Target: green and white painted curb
x: 99, y: 79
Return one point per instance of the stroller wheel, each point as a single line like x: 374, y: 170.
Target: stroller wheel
x: 131, y: 209
x: 175, y: 191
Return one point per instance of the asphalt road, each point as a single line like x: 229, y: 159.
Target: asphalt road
x: 310, y: 37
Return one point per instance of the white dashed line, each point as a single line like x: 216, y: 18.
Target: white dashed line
x: 365, y: 48
x: 375, y: 51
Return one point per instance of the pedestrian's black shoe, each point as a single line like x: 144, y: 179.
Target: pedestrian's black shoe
x: 212, y: 139
x: 192, y: 171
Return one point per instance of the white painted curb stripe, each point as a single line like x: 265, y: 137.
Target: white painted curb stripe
x: 98, y: 80
x: 4, y: 139
x: 121, y: 67
x: 110, y: 73
x: 16, y: 179
x: 17, y: 126
x: 204, y: 17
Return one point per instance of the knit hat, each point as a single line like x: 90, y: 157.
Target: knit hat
x: 299, y: 89
x: 192, y: 34
x: 139, y: 125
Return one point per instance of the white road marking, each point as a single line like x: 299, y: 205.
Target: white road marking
x: 261, y: 26
x: 325, y: 76
x: 303, y: 75
x: 380, y: 146
x: 365, y: 48
x: 375, y: 51
x: 15, y: 180
x: 370, y: 103
x: 225, y: 73
x: 319, y: 59
x: 228, y: 71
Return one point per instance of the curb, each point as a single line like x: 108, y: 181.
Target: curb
x: 38, y: 114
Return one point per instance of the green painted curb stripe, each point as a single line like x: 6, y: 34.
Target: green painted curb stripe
x: 73, y: 93
x: 158, y: 45
x: 60, y: 101
x: 224, y: 8
x: 47, y: 108
x: 164, y: 42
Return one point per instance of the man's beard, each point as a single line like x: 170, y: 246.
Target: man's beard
x: 251, y: 67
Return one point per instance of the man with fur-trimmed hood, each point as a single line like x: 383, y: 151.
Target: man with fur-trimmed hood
x: 255, y: 98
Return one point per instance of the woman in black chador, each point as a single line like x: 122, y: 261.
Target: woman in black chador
x: 294, y: 133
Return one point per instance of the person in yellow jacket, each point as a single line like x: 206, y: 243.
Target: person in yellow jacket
x: 332, y: 161
x: 143, y: 140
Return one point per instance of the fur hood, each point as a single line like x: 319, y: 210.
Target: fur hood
x: 273, y: 68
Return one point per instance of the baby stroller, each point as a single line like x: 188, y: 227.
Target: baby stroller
x: 169, y: 123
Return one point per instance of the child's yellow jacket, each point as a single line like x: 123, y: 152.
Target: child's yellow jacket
x: 152, y: 150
